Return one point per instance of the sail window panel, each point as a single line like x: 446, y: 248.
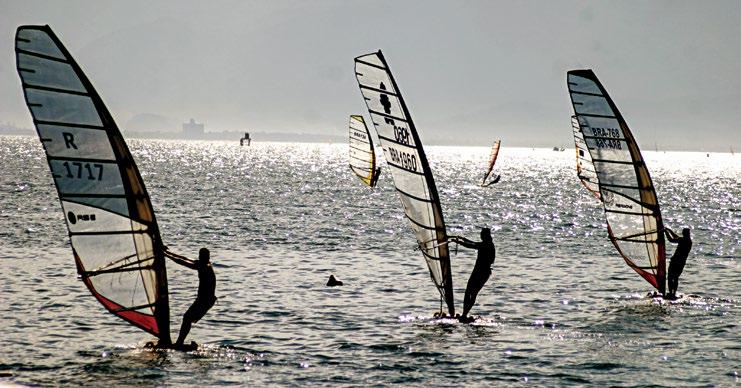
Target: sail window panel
x: 62, y: 108
x: 582, y: 85
x: 89, y: 178
x: 127, y: 289
x: 591, y: 105
x: 113, y: 205
x: 98, y: 252
x: 411, y: 184
x: 73, y: 142
x: 418, y: 211
x: 82, y: 218
x: 427, y: 240
x: 38, y: 42
x: 372, y: 59
x: 613, y: 174
x: 372, y: 77
x: 144, y: 250
x: 48, y: 73
x: 641, y: 244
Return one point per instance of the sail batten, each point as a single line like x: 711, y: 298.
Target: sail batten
x: 409, y: 168
x: 109, y: 216
x: 610, y: 165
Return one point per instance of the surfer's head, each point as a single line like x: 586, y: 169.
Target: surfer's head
x: 204, y: 256
x: 686, y: 232
x: 485, y: 234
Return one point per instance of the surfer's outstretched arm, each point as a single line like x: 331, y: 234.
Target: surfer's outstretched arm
x: 465, y: 242
x: 182, y: 260
x: 671, y: 235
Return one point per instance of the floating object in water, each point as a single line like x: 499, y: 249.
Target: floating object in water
x: 631, y: 207
x: 112, y: 228
x: 246, y: 138
x: 492, y: 161
x: 333, y: 282
x: 410, y: 171
x: 362, y: 153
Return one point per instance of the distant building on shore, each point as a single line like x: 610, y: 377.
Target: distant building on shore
x: 192, y: 129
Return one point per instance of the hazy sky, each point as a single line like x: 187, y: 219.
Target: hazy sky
x: 470, y: 71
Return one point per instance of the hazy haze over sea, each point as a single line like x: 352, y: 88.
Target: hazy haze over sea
x: 561, y: 307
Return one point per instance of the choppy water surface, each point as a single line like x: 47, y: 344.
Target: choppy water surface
x: 561, y: 308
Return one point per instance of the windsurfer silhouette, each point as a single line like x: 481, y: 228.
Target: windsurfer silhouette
x: 678, y: 259
x: 206, y: 290
x: 481, y: 270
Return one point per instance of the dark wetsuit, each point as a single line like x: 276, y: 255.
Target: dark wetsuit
x: 206, y: 294
x: 481, y: 271
x: 678, y: 259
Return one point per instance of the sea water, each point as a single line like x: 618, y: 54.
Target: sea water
x: 561, y: 307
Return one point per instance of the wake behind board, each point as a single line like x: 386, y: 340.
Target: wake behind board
x: 183, y: 348
x: 679, y: 299
x: 447, y: 321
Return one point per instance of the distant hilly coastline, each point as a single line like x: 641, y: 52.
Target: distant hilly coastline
x: 236, y: 135
x: 9, y: 129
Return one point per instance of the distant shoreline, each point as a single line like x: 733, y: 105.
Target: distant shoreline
x: 287, y: 137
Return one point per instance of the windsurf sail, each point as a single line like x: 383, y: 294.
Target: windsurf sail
x: 584, y: 166
x: 492, y: 161
x: 112, y: 228
x: 410, y: 171
x: 631, y: 207
x: 362, y: 153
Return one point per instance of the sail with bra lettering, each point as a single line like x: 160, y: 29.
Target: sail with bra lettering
x: 112, y: 228
x: 408, y: 165
x: 631, y: 206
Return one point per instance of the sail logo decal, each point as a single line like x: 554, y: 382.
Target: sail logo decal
x: 612, y: 144
x: 403, y: 159
x: 73, y: 218
x: 359, y: 135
